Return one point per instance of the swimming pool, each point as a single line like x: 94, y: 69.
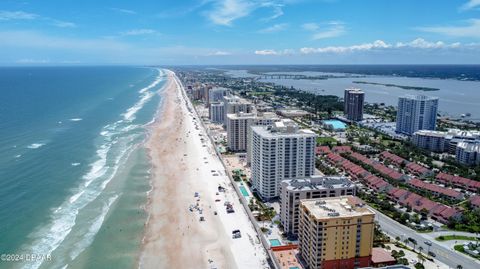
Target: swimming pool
x: 275, y: 242
x: 244, y: 191
x: 336, y: 125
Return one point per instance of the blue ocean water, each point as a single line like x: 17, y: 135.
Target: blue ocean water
x: 73, y: 173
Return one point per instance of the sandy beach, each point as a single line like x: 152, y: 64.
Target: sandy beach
x: 184, y: 163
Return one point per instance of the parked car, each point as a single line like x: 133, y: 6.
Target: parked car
x: 236, y: 234
x: 432, y: 254
x: 428, y: 243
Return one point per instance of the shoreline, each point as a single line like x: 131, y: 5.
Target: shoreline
x: 184, y: 163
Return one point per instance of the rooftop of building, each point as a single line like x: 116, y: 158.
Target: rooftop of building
x: 418, y: 97
x: 232, y: 99
x: 431, y: 133
x: 336, y: 207
x: 381, y: 256
x: 451, y: 133
x: 284, y: 127
x: 469, y: 146
x: 241, y: 115
x: 354, y: 90
x: 287, y: 256
x: 318, y: 182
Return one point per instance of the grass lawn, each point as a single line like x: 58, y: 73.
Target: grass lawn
x: 325, y: 140
x: 455, y: 237
x: 387, y: 142
x: 261, y: 93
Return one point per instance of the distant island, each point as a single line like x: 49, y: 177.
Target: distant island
x: 427, y: 89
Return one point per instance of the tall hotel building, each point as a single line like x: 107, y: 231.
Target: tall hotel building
x: 353, y: 104
x: 416, y: 112
x: 336, y: 233
x: 234, y: 104
x: 280, y: 151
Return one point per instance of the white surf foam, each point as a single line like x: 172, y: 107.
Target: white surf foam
x: 88, y: 237
x: 18, y: 156
x: 75, y: 197
x: 76, y: 119
x: 75, y: 164
x: 36, y: 145
x: 146, y: 95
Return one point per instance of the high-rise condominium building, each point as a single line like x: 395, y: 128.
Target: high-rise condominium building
x: 416, y: 112
x: 353, y: 104
x: 262, y: 119
x: 216, y: 112
x: 336, y: 233
x: 468, y: 153
x: 234, y: 104
x: 237, y: 129
x: 216, y: 94
x: 280, y: 151
x: 294, y: 190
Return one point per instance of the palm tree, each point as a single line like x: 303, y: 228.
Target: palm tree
x: 459, y: 267
x: 420, y: 249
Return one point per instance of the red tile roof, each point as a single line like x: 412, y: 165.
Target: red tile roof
x: 341, y: 149
x: 460, y: 182
x: 417, y: 169
x: 475, y: 200
x: 435, y: 188
x: 392, y: 158
x: 322, y: 150
x: 361, y: 158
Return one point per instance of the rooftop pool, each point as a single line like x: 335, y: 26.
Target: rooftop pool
x: 275, y: 242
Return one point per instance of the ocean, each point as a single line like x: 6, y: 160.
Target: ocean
x: 74, y: 175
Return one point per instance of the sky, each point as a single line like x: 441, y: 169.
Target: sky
x: 169, y: 32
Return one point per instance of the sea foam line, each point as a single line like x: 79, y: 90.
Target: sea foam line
x: 49, y: 237
x: 87, y: 239
x: 146, y: 95
x: 36, y: 145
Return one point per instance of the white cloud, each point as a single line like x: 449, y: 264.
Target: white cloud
x: 421, y: 43
x: 219, y: 53
x: 64, y: 24
x: 122, y: 10
x: 16, y: 15
x: 418, y: 43
x: 21, y: 15
x: 275, y: 52
x: 310, y: 26
x: 276, y: 8
x: 471, y: 4
x: 470, y: 30
x: 328, y: 30
x: 274, y: 28
x: 136, y: 32
x: 32, y: 61
x: 227, y: 11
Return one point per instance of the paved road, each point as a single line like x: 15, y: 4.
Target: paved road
x: 443, y: 253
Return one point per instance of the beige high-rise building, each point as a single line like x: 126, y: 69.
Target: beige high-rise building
x: 239, y: 131
x: 294, y: 190
x: 336, y: 233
